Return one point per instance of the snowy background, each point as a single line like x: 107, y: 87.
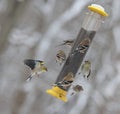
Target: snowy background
x: 33, y: 29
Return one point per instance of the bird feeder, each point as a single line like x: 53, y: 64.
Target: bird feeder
x: 92, y: 22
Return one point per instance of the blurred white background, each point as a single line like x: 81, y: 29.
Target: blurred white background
x: 33, y: 29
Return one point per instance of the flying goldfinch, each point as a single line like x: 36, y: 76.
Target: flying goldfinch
x: 60, y: 57
x: 68, y: 42
x: 83, y: 46
x: 36, y: 66
x: 66, y: 81
x: 77, y: 89
x: 86, y: 69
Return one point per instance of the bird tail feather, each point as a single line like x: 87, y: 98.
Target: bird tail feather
x: 29, y: 78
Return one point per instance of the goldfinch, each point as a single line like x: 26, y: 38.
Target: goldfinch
x: 68, y: 42
x: 36, y: 66
x: 60, y: 57
x: 66, y: 81
x: 86, y: 69
x: 77, y: 89
x: 83, y: 46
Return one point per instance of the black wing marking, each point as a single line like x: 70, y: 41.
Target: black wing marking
x: 31, y: 63
x: 67, y: 42
x: 89, y: 73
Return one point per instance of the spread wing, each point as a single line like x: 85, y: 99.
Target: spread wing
x: 31, y: 63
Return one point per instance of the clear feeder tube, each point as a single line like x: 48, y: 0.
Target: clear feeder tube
x: 92, y: 22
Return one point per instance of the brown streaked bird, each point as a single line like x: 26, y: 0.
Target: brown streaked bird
x: 77, y: 89
x: 83, y: 46
x: 60, y: 57
x: 68, y: 42
x: 36, y: 66
x: 66, y: 81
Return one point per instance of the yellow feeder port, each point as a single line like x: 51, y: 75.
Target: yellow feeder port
x: 58, y: 93
x: 98, y: 9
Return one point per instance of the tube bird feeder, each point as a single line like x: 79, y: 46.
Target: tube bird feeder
x: 92, y: 22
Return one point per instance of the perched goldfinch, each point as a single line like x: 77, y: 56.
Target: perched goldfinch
x: 60, y: 57
x: 68, y: 42
x: 83, y: 46
x: 86, y: 69
x: 36, y: 66
x: 66, y: 81
x: 77, y: 89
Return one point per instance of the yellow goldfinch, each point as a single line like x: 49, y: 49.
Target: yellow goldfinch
x: 36, y: 66
x: 86, y: 69
x: 60, y: 57
x: 77, y: 89
x: 66, y: 81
